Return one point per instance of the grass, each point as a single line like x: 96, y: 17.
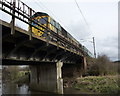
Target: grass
x: 98, y: 84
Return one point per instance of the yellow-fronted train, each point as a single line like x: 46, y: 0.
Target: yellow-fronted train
x: 49, y: 23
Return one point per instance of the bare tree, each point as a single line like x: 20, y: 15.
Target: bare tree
x: 102, y: 66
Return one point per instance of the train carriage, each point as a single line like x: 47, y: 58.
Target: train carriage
x: 48, y: 23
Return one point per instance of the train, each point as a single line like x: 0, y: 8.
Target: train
x: 47, y: 22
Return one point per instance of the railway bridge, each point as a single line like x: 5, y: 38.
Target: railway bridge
x: 50, y: 59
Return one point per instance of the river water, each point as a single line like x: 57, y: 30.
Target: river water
x: 10, y: 88
x: 15, y: 89
x: 0, y: 85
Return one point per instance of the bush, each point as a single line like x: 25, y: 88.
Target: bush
x: 98, y: 84
x: 101, y: 66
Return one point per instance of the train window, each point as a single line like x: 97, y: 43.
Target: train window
x: 57, y: 25
x: 51, y: 21
x: 55, y: 29
x: 54, y: 23
x: 43, y: 20
x: 59, y: 32
x: 35, y: 20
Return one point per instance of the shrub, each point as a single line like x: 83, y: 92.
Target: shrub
x: 101, y: 66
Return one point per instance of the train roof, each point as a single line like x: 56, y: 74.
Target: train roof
x: 40, y: 14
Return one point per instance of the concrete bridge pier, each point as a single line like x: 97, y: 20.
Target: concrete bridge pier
x: 46, y: 77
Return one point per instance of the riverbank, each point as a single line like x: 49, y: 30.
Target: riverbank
x: 80, y: 85
x: 98, y: 84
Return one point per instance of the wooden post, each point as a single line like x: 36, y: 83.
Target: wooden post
x: 85, y: 64
x: 30, y: 27
x: 13, y: 19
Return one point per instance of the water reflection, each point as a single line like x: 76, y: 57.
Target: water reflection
x: 0, y: 85
x: 14, y: 89
x: 11, y: 88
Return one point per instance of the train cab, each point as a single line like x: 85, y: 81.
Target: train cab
x: 41, y: 19
x: 46, y: 23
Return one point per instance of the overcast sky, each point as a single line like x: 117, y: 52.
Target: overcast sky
x: 101, y: 16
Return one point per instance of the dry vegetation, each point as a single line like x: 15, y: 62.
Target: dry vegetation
x: 102, y: 76
x: 101, y: 66
x: 98, y: 84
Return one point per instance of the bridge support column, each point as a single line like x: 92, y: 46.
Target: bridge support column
x: 59, y: 78
x: 46, y: 77
x: 84, y: 66
x: 84, y: 63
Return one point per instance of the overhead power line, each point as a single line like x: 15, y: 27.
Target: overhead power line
x: 82, y: 15
x: 36, y: 2
x: 47, y: 9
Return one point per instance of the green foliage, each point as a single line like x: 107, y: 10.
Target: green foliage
x: 10, y: 73
x: 98, y: 84
x: 14, y: 74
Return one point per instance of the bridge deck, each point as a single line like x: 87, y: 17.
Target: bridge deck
x: 21, y: 48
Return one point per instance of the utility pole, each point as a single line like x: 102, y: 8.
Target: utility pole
x: 94, y: 47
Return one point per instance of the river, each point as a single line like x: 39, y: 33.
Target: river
x: 10, y: 88
x: 0, y: 88
x: 15, y: 89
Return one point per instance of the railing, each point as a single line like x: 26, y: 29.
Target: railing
x: 18, y: 9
